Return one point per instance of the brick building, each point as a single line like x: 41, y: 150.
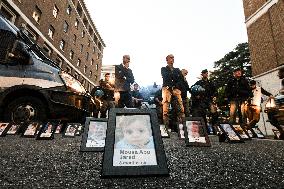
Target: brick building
x: 265, y: 26
x: 65, y: 31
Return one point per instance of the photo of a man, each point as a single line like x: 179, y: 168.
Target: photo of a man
x: 96, y: 134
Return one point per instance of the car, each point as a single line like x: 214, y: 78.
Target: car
x: 33, y: 87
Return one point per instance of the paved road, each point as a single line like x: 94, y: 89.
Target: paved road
x: 29, y: 163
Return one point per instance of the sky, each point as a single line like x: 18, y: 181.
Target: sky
x: 196, y: 32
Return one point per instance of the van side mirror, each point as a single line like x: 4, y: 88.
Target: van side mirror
x: 19, y: 53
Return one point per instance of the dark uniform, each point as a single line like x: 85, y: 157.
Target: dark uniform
x: 108, y: 97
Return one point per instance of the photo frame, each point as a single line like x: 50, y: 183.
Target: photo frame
x: 276, y: 133
x: 231, y: 135
x: 46, y: 131
x: 242, y: 133
x: 257, y: 133
x: 4, y: 127
x: 134, y: 145
x: 250, y: 133
x: 94, y: 135
x: 195, y: 132
x: 164, y: 131
x: 31, y: 129
x: 181, y: 133
x: 59, y: 128
x: 79, y: 129
x: 70, y: 130
x: 13, y: 128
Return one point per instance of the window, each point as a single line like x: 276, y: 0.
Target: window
x: 47, y: 49
x: 71, y: 55
x: 92, y: 62
x: 59, y: 61
x: 37, y: 14
x: 76, y: 75
x: 76, y: 23
x: 55, y: 11
x: 85, y: 69
x: 78, y: 62
x: 87, y: 56
x: 81, y: 49
x: 91, y: 74
x: 7, y: 13
x: 65, y: 26
x: 96, y: 77
x: 98, y: 56
x: 31, y: 33
x: 74, y: 38
x: 68, y: 10
x: 97, y: 67
x: 62, y: 44
x: 68, y: 69
x: 94, y: 49
x: 51, y: 31
x: 83, y: 34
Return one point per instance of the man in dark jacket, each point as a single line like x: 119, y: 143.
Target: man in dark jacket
x: 184, y: 89
x: 123, y: 79
x: 202, y: 101
x: 172, y: 79
x: 238, y: 91
x: 137, y: 97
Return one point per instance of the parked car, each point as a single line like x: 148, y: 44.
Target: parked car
x: 33, y: 87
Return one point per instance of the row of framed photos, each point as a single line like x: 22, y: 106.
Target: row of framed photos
x: 41, y: 130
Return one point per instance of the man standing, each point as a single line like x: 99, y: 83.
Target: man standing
x: 108, y: 97
x: 172, y: 79
x: 202, y: 100
x: 123, y: 79
x: 253, y: 109
x: 238, y: 91
x: 136, y: 97
x: 184, y: 89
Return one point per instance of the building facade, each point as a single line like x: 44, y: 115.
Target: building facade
x: 65, y: 31
x: 265, y: 25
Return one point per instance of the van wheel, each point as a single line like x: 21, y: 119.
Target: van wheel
x: 25, y: 109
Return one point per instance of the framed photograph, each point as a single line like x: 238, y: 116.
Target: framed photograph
x: 242, y: 133
x: 180, y: 129
x: 134, y: 145
x: 79, y: 129
x: 276, y: 133
x: 4, y: 127
x: 46, y: 131
x: 13, y: 129
x: 59, y: 128
x: 31, y: 129
x: 94, y: 134
x: 164, y: 131
x: 230, y: 132
x: 257, y: 132
x: 250, y: 133
x: 70, y: 130
x: 195, y: 132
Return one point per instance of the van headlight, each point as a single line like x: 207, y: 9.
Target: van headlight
x: 72, y: 83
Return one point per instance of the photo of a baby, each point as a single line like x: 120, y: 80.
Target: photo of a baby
x: 96, y: 134
x: 193, y: 131
x: 134, y: 132
x: 3, y: 127
x: 133, y: 143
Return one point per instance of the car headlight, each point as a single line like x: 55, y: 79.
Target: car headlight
x: 72, y: 83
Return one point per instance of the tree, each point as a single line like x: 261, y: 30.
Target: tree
x: 238, y: 58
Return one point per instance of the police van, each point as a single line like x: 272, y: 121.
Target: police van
x: 32, y: 87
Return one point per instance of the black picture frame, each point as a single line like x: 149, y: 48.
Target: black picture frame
x: 13, y: 128
x: 93, y: 138
x: 231, y: 135
x: 47, y: 131
x: 257, y: 133
x: 276, y: 133
x: 242, y: 133
x: 250, y: 133
x: 164, y: 131
x: 70, y: 130
x: 31, y: 129
x: 59, y: 128
x: 80, y: 129
x: 123, y: 156
x: 4, y: 127
x: 195, y: 132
